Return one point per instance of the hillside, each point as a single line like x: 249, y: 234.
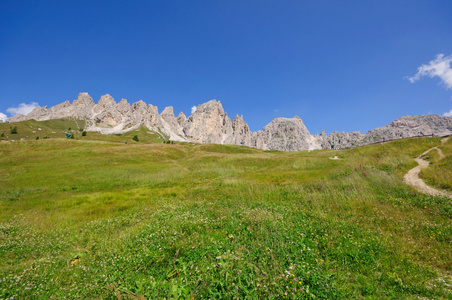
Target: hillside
x: 107, y: 220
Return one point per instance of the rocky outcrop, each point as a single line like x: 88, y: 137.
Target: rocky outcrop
x: 181, y: 119
x: 410, y: 126
x: 283, y: 134
x: 209, y: 123
x: 241, y: 133
x: 171, y: 124
x: 405, y: 127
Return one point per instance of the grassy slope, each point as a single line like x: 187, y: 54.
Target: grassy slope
x: 439, y: 173
x: 57, y: 129
x: 83, y: 219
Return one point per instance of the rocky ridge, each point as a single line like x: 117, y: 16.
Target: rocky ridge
x: 209, y: 123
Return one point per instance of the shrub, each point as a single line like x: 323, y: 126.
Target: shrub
x: 84, y: 133
x: 81, y: 129
x: 135, y: 138
x: 72, y: 136
x: 69, y: 129
x: 3, y: 135
x: 37, y: 138
x: 14, y: 130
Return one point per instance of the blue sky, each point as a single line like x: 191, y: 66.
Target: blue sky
x: 339, y: 65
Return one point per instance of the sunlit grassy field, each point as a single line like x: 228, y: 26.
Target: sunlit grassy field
x: 86, y: 219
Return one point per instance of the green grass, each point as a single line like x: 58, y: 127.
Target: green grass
x: 57, y: 129
x: 439, y: 173
x: 88, y: 219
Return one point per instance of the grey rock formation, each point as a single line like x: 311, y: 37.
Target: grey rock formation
x: 171, y: 124
x: 241, y: 134
x: 410, y: 126
x: 181, y: 119
x: 405, y: 127
x: 286, y: 135
x: 210, y: 124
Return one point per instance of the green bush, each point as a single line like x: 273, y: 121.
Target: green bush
x: 14, y: 130
x: 135, y: 138
x: 69, y: 129
x: 3, y: 135
x: 72, y: 136
x: 37, y: 138
x: 84, y: 133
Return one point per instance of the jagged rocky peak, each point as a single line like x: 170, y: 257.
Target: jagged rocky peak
x: 285, y: 134
x: 239, y: 126
x: 105, y: 102
x: 167, y: 112
x: 181, y: 119
x: 287, y: 125
x: 209, y: 124
x: 83, y: 100
x: 241, y: 134
x: 57, y: 107
x: 139, y: 105
x: 37, y: 112
x: 123, y: 106
x: 152, y: 109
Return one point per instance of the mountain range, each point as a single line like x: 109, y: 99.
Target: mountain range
x: 209, y: 123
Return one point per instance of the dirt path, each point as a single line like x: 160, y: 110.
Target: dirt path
x: 412, y: 177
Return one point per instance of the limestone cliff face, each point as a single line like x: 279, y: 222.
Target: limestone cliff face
x: 171, y: 124
x: 211, y: 124
x: 241, y: 133
x: 283, y: 134
x: 181, y: 119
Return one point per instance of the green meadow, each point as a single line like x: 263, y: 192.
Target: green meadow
x: 95, y: 218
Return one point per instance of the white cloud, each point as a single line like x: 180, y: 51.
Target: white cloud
x: 193, y: 109
x: 448, y: 114
x: 3, y: 117
x: 23, y: 108
x: 439, y: 67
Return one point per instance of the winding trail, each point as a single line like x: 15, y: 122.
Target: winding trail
x: 412, y: 177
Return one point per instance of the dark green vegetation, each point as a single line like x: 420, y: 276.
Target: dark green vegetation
x: 101, y: 220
